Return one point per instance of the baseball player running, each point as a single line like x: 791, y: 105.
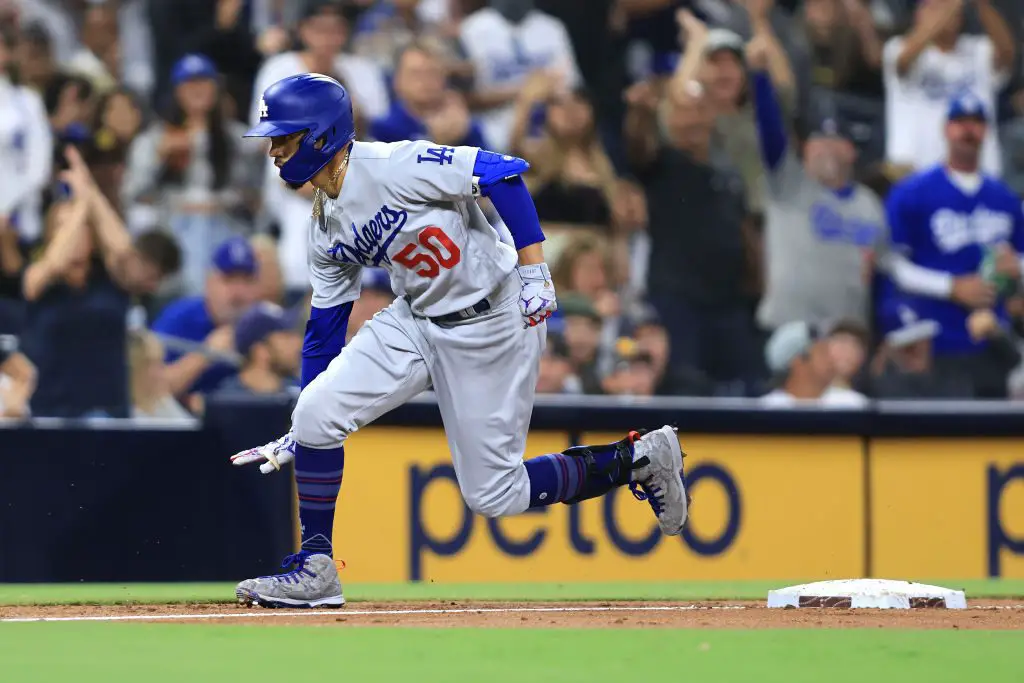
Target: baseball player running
x: 467, y: 322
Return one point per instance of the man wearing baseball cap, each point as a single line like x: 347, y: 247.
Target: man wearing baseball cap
x: 197, y: 328
x: 798, y: 355
x: 821, y: 224
x: 933, y: 61
x: 957, y: 240
x: 267, y: 337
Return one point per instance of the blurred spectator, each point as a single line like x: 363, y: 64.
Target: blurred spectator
x: 424, y: 108
x: 231, y: 289
x: 69, y: 103
x: 12, y: 263
x: 556, y: 372
x: 26, y: 146
x: 1012, y: 138
x: 323, y: 32
x: 99, y: 57
x: 117, y: 120
x: 17, y: 380
x: 388, y: 27
x: 633, y: 374
x: 903, y: 367
x: 78, y: 292
x: 821, y: 225
x: 35, y: 59
x: 798, y: 355
x: 220, y: 29
x: 582, y: 334
x: 572, y: 179
x: 150, y: 394
x: 934, y: 62
x: 191, y: 171
x: 106, y: 39
x: 376, y: 295
x: 848, y: 343
x: 269, y: 285
x: 506, y: 42
x: 698, y: 217
x: 723, y: 75
x: 844, y: 45
x: 267, y: 339
x: 584, y: 268
x: 958, y: 236
x: 271, y: 22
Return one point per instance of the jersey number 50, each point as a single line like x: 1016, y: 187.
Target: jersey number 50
x: 445, y: 253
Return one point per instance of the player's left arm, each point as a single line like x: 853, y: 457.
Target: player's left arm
x: 499, y: 178
x: 423, y: 172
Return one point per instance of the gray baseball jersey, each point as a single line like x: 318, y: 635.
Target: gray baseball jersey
x: 410, y: 207
x: 815, y: 243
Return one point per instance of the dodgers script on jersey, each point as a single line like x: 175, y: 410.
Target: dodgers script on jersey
x: 409, y: 207
x: 937, y: 225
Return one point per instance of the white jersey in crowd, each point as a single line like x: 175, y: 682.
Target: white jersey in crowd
x: 834, y: 397
x: 26, y: 155
x: 409, y: 207
x: 504, y: 54
x: 290, y: 210
x: 916, y: 104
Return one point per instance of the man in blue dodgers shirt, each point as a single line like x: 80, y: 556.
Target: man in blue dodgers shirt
x: 424, y: 108
x: 944, y: 220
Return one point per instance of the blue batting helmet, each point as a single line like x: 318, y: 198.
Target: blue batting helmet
x: 313, y: 103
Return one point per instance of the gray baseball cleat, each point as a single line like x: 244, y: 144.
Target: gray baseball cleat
x: 658, y: 463
x: 313, y: 583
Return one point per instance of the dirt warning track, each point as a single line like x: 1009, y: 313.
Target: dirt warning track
x: 981, y: 614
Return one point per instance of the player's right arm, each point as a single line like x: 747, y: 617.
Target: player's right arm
x: 335, y: 287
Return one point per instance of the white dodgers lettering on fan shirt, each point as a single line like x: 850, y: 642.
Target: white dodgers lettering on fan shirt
x: 410, y: 208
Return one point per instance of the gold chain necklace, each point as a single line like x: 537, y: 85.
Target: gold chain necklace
x: 319, y: 196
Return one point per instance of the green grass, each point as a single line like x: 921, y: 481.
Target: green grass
x: 172, y: 653
x: 100, y: 593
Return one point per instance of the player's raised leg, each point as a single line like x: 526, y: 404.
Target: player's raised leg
x: 487, y: 419
x: 381, y: 368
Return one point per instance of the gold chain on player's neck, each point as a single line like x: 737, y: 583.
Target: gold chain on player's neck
x: 319, y: 196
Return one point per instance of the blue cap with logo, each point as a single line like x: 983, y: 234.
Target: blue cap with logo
x: 967, y: 105
x: 235, y: 255
x: 902, y: 325
x: 192, y: 67
x: 259, y: 322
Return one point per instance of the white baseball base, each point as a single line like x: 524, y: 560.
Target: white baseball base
x: 870, y: 593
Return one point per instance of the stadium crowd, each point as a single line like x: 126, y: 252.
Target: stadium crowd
x: 809, y: 201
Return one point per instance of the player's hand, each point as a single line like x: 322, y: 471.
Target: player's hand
x: 973, y: 291
x: 537, y: 298
x: 270, y: 456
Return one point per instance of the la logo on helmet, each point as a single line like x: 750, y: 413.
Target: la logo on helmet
x: 263, y: 109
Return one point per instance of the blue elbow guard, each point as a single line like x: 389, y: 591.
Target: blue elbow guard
x: 491, y: 169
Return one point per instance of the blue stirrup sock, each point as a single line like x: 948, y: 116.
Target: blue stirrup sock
x: 579, y: 473
x: 318, y: 473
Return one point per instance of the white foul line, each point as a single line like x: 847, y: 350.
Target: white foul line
x: 258, y: 613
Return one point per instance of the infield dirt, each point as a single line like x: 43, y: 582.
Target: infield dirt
x: 981, y: 614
